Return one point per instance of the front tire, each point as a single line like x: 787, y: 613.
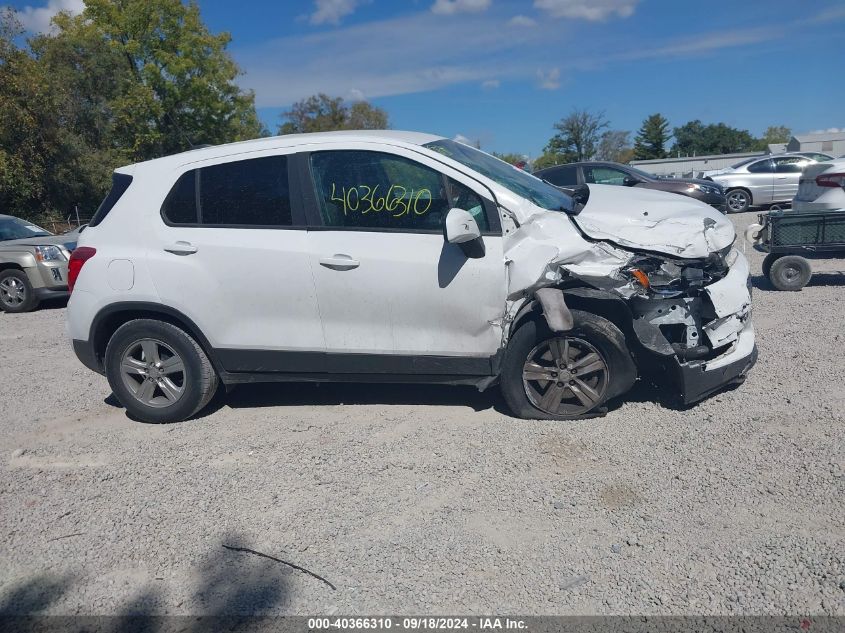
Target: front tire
x: 158, y: 372
x: 16, y: 293
x: 790, y: 273
x: 770, y: 259
x: 565, y: 375
x: 737, y: 201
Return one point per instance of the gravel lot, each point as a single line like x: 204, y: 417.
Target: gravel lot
x: 431, y: 499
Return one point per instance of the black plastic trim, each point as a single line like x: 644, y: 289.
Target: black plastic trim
x: 44, y: 294
x: 696, y: 384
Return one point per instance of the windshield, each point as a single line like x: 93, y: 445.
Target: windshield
x: 520, y: 182
x: 17, y: 229
x: 642, y: 173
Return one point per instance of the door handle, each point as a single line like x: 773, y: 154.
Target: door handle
x: 339, y: 262
x: 781, y: 177
x: 181, y: 248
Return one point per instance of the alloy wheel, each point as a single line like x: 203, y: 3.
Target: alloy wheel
x: 737, y: 201
x: 12, y: 292
x: 565, y: 376
x: 153, y: 373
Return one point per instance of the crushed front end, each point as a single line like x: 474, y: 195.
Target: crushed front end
x: 693, y: 318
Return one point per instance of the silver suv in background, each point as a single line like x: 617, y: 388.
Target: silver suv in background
x: 762, y: 180
x: 33, y: 264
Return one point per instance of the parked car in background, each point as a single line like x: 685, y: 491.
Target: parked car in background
x: 762, y: 181
x: 33, y: 264
x: 607, y: 173
x: 816, y: 156
x: 406, y: 257
x: 821, y: 187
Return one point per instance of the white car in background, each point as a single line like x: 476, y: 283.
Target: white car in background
x: 822, y: 187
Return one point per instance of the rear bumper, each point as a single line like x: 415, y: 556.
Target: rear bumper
x: 84, y: 351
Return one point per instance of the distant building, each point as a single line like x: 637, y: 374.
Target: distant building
x: 777, y: 148
x: 832, y: 143
x: 691, y: 166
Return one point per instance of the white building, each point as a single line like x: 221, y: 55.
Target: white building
x: 832, y: 143
x: 691, y: 166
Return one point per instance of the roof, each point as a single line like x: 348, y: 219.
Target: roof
x: 294, y: 140
x: 826, y: 136
x: 684, y: 159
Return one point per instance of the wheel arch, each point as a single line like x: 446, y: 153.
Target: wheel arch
x: 110, y: 318
x: 741, y: 188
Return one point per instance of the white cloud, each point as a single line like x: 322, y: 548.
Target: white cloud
x: 449, y: 7
x: 355, y: 95
x: 549, y: 80
x: 830, y: 130
x: 332, y: 11
x: 37, y: 19
x: 592, y: 10
x: 490, y: 84
x: 522, y: 20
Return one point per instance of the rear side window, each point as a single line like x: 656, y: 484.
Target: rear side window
x: 251, y: 192
x: 561, y: 176
x: 119, y: 184
x: 761, y: 167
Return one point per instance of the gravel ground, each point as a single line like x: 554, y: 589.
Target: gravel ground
x: 430, y: 499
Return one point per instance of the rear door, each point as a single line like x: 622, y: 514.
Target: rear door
x: 393, y: 294
x: 788, y: 171
x: 232, y: 255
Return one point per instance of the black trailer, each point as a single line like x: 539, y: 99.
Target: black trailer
x: 792, y: 238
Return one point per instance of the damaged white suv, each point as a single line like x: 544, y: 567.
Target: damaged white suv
x: 400, y: 257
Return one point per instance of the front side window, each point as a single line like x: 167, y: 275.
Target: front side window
x: 250, y: 192
x: 363, y: 189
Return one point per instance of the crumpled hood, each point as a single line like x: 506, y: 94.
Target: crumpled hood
x: 647, y: 220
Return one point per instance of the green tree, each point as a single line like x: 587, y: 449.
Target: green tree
x: 126, y: 80
x: 774, y: 134
x: 322, y: 113
x: 696, y: 139
x: 615, y: 146
x: 651, y: 138
x: 577, y: 136
x: 509, y: 157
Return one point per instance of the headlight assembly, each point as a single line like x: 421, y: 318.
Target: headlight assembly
x: 48, y: 254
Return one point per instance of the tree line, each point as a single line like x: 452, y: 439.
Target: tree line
x: 122, y: 82
x: 585, y: 135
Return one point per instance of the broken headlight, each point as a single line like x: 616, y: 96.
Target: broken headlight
x: 667, y: 278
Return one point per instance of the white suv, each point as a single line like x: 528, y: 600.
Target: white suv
x: 400, y: 257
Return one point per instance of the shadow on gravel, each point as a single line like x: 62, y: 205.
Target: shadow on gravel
x: 33, y: 595
x: 296, y: 394
x: 818, y: 279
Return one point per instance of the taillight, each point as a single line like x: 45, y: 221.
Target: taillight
x: 78, y: 257
x: 831, y: 180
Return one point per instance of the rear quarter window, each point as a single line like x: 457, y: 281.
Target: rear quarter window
x: 120, y: 183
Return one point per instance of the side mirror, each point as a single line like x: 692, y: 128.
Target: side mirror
x: 461, y: 227
x: 630, y: 181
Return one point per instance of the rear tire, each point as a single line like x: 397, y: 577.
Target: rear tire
x: 790, y: 273
x: 737, y: 201
x: 158, y: 372
x: 534, y: 350
x: 16, y: 293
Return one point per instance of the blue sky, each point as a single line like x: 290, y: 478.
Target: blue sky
x: 504, y: 71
